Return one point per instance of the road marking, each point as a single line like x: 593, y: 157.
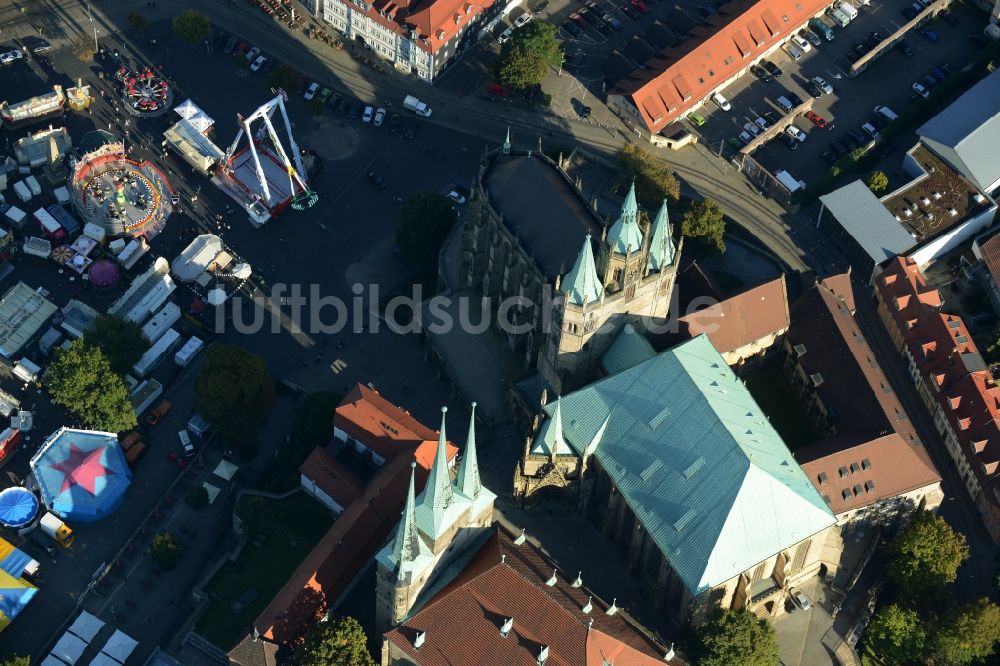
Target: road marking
x: 338, y: 365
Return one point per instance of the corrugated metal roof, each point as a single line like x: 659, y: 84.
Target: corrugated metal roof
x: 870, y: 223
x: 23, y: 312
x: 971, y: 127
x: 697, y: 461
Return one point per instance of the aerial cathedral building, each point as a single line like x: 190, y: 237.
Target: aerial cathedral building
x: 439, y: 525
x: 529, y: 232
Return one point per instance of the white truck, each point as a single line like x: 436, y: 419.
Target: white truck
x: 788, y: 180
x: 418, y: 107
x: 52, y: 525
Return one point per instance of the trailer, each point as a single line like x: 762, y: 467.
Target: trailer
x: 144, y: 395
x: 65, y: 219
x: 94, y: 231
x: 152, y: 301
x: 37, y: 247
x: 50, y: 225
x: 27, y: 371
x: 188, y: 351
x: 161, y: 322
x: 16, y: 217
x: 22, y: 191
x: 10, y: 439
x: 49, y: 340
x: 33, y: 185
x: 133, y: 251
x: 155, y: 354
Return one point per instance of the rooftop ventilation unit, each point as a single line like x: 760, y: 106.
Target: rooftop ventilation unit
x: 953, y: 212
x: 507, y: 625
x: 543, y: 654
x: 925, y: 201
x: 936, y: 195
x: 800, y: 350
x: 980, y: 199
x: 816, y: 378
x: 418, y: 642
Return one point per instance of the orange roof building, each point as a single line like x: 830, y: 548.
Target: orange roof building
x: 682, y: 77
x: 419, y: 36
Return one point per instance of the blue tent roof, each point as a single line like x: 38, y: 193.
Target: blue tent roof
x: 82, y: 474
x: 18, y: 507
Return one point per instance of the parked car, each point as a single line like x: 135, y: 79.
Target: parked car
x: 706, y: 9
x: 760, y: 73
x: 791, y: 142
x: 571, y: 28
x: 598, y: 9
x: 721, y: 101
x: 629, y: 11
x: 904, y: 47
x: 505, y: 35
x: 771, y: 68
x: 814, y: 90
x: 795, y: 132
x: 258, y: 63
x: 231, y: 45
x: 874, y: 38
x: 802, y: 43
x: 823, y: 85
x: 861, y: 49
x: 799, y: 598
x: 745, y: 137
x: 613, y: 22
x: 377, y: 180
x: 816, y: 119
x: 41, y: 46
x: 829, y: 157
x: 578, y: 19
x: 811, y: 36
x: 639, y: 6
x: 871, y: 131
x: 920, y: 90
x: 795, y: 99
x: 456, y: 197
x: 930, y: 36
x: 354, y: 109
x: 752, y: 128
x: 311, y: 91
x: 523, y: 19
x: 771, y: 117
x: 695, y: 119
x: 860, y: 138
x: 379, y: 117
x: 498, y: 90
x: 368, y: 115
x: 762, y: 122
x: 252, y: 54
x: 792, y: 52
x: 8, y: 57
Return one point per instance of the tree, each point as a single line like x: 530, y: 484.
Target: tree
x: 241, y: 61
x: 197, y: 497
x: 654, y: 180
x: 316, y: 106
x: 256, y: 515
x: 926, y: 556
x: 341, y: 642
x: 878, y: 181
x: 993, y: 349
x: 895, y: 634
x: 234, y: 393
x: 525, y: 58
x: 703, y: 222
x: 736, y: 637
x: 967, y: 634
x: 121, y: 341
x: 424, y: 222
x: 15, y: 660
x: 282, y: 76
x: 137, y: 21
x: 81, y: 380
x: 83, y: 49
x: 164, y: 551
x: 313, y: 427
x: 191, y: 26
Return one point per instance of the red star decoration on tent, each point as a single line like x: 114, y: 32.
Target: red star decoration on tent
x: 82, y: 468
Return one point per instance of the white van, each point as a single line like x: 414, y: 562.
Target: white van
x: 885, y: 112
x: 847, y: 8
x: 838, y: 17
x: 788, y: 180
x: 186, y: 442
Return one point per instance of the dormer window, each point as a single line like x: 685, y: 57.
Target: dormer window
x: 458, y: 19
x: 440, y: 34
x: 468, y: 9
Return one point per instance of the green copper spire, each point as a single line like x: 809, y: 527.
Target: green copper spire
x: 581, y: 283
x: 406, y: 545
x: 437, y: 494
x: 625, y: 234
x: 661, y: 245
x: 469, y: 483
x: 506, y: 143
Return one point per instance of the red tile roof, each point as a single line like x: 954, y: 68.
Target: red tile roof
x: 687, y: 73
x: 434, y: 21
x: 331, y: 477
x: 743, y: 318
x: 378, y: 424
x: 842, y: 288
x: 461, y: 623
x: 991, y: 257
x: 879, y: 468
x: 972, y: 406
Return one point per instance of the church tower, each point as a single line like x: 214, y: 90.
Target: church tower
x: 447, y: 513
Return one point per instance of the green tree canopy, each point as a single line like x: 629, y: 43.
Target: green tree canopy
x: 341, y: 642
x: 654, y: 179
x: 896, y: 635
x: 703, y: 223
x: 926, y: 556
x: 313, y: 427
x: 197, y: 497
x: 878, y: 181
x: 737, y: 637
x: 967, y: 634
x: 81, y: 380
x: 164, y: 551
x: 424, y: 222
x: 525, y: 58
x: 121, y: 341
x: 234, y: 393
x: 15, y: 660
x: 136, y: 21
x: 191, y: 26
x: 282, y: 76
x: 256, y: 514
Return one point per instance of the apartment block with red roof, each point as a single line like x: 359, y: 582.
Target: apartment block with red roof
x: 681, y: 78
x: 418, y: 36
x: 951, y: 377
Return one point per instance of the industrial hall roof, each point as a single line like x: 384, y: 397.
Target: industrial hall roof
x: 696, y: 460
x: 868, y: 222
x: 509, y: 603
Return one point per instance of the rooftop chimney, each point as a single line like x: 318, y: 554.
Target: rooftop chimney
x: 419, y: 640
x: 507, y: 625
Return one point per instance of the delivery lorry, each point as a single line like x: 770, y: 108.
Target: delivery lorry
x: 418, y: 107
x: 58, y: 531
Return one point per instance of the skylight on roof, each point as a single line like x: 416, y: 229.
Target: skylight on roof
x: 684, y: 520
x: 693, y: 468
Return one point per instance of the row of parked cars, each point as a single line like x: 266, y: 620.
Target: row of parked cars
x: 597, y: 15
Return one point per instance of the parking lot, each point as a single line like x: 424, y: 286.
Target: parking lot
x: 887, y: 81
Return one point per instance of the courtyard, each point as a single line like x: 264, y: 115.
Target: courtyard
x: 770, y: 388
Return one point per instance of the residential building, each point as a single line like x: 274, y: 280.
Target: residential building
x: 986, y: 249
x: 436, y: 528
x: 932, y: 214
x: 528, y: 234
x: 679, y: 78
x: 746, y: 327
x: 872, y: 468
x: 966, y: 134
x: 507, y: 603
x: 422, y: 37
x: 676, y: 463
x: 951, y: 378
x: 365, y: 425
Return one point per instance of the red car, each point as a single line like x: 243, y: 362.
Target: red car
x: 816, y: 120
x: 576, y: 18
x: 498, y: 89
x: 174, y: 457
x: 639, y: 6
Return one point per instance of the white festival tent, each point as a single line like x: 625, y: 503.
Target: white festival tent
x: 119, y: 646
x: 86, y: 626
x: 69, y: 648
